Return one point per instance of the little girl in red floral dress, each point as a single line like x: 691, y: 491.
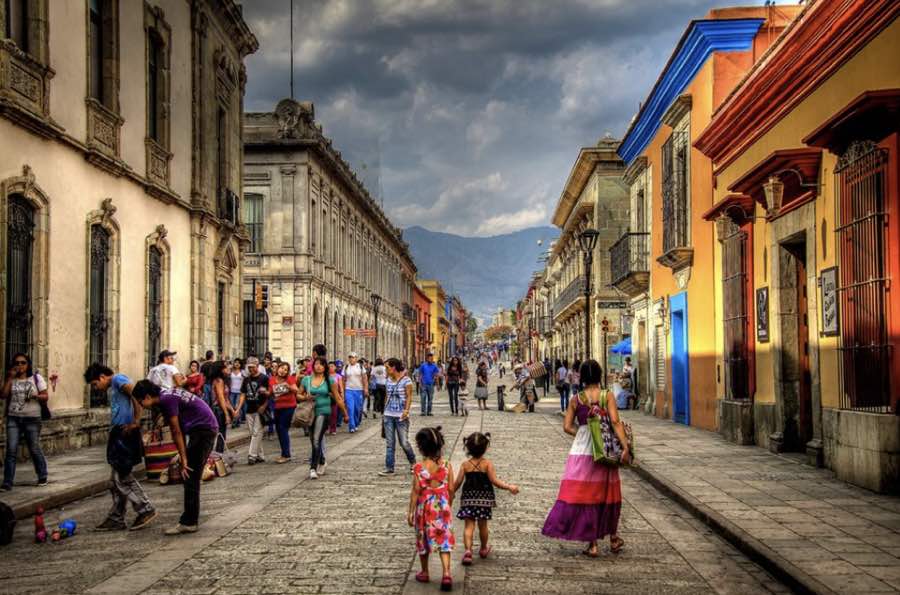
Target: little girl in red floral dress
x: 430, y: 501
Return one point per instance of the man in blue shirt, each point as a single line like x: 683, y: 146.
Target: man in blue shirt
x: 428, y: 372
x: 125, y: 449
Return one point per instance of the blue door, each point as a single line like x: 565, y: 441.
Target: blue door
x: 681, y: 411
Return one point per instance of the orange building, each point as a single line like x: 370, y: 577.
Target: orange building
x: 422, y: 313
x: 667, y: 268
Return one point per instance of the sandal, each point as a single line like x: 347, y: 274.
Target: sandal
x: 485, y: 552
x: 422, y: 577
x: 592, y: 551
x: 447, y: 583
x: 616, y: 544
x: 467, y: 558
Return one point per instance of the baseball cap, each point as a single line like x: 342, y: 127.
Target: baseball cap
x: 352, y: 354
x: 164, y: 354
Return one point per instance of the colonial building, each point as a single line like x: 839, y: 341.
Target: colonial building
x: 594, y: 197
x: 440, y: 326
x: 322, y: 253
x: 120, y: 171
x: 422, y: 313
x: 805, y: 172
x: 663, y: 263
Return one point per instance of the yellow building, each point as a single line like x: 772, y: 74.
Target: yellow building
x: 440, y: 325
x: 664, y: 262
x: 807, y: 211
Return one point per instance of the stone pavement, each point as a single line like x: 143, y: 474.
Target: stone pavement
x: 799, y: 520
x: 269, y: 529
x: 72, y: 476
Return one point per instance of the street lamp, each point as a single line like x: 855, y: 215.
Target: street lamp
x: 376, y: 304
x: 587, y: 241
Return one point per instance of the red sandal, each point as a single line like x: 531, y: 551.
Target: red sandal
x: 447, y: 583
x: 485, y: 552
x: 467, y: 558
x: 422, y: 577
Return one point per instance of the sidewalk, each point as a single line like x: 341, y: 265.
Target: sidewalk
x: 73, y: 476
x: 814, y: 532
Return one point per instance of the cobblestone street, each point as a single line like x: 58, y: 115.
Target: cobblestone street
x: 269, y: 529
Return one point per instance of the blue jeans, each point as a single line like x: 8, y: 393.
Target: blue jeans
x: 563, y: 396
x: 283, y: 419
x: 427, y: 396
x: 30, y: 427
x: 239, y: 415
x: 354, y: 407
x: 396, y: 429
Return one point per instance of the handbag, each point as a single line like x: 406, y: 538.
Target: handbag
x: 305, y: 413
x: 605, y: 445
x: 159, y: 451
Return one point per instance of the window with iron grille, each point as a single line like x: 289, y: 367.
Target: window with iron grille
x: 19, y: 253
x: 674, y: 191
x: 154, y: 304
x: 862, y: 178
x: 253, y: 219
x: 256, y: 329
x: 734, y: 298
x: 220, y: 318
x: 98, y: 333
x: 659, y: 353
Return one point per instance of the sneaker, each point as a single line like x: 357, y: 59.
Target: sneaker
x: 386, y: 472
x: 320, y: 470
x: 282, y: 460
x: 313, y: 474
x: 110, y: 525
x: 251, y: 461
x: 6, y: 488
x: 179, y: 529
x: 42, y: 482
x: 143, y: 520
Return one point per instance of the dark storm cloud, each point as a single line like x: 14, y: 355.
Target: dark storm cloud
x: 476, y: 109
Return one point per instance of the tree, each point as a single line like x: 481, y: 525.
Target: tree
x: 497, y: 333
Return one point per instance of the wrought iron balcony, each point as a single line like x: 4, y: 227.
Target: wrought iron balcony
x: 229, y: 206
x: 572, y: 297
x: 630, y: 262
x: 408, y: 312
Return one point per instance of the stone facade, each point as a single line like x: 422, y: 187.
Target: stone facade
x: 320, y: 245
x: 113, y: 151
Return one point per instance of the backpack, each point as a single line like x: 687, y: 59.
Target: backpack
x: 7, y: 523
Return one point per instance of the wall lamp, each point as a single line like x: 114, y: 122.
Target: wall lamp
x: 774, y: 189
x: 723, y: 221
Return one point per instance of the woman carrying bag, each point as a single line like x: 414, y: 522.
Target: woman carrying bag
x: 25, y: 393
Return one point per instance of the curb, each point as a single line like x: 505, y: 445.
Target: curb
x: 86, y: 490
x: 794, y: 578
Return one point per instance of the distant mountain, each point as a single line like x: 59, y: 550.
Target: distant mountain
x: 484, y: 272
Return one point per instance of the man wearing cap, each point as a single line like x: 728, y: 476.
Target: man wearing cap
x: 356, y: 387
x: 164, y: 374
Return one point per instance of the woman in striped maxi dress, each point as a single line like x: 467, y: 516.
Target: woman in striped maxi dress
x: 590, y: 495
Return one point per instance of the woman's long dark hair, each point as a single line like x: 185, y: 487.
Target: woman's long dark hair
x: 29, y: 372
x: 324, y: 361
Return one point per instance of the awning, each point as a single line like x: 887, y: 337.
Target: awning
x: 623, y: 347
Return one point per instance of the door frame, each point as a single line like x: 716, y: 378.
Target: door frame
x: 678, y: 305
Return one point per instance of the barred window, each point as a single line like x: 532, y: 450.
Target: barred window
x: 734, y: 292
x: 253, y: 219
x: 19, y: 269
x: 674, y: 191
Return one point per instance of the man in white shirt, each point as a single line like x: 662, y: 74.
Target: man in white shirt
x: 164, y: 374
x: 356, y: 388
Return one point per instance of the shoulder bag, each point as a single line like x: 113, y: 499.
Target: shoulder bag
x: 605, y: 444
x: 306, y: 410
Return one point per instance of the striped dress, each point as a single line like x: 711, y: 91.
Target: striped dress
x: 590, y: 495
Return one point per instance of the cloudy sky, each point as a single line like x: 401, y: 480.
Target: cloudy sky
x: 474, y: 109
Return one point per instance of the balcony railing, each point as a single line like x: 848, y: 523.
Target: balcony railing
x: 630, y: 262
x: 408, y: 312
x: 573, y: 292
x: 229, y: 206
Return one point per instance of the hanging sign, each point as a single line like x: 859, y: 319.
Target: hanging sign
x: 828, y: 291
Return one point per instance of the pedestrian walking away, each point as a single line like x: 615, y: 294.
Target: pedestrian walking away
x: 25, y: 394
x: 194, y: 429
x: 562, y: 384
x: 379, y: 373
x: 477, y: 477
x: 320, y: 387
x: 283, y: 388
x: 356, y: 388
x: 124, y: 449
x: 454, y: 373
x: 590, y: 494
x: 428, y: 374
x: 395, y: 420
x: 430, y: 499
x: 255, y: 399
x: 481, y: 385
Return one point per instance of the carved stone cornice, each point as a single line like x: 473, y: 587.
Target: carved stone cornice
x: 634, y: 170
x: 25, y: 90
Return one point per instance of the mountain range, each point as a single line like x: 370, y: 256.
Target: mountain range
x: 485, y: 272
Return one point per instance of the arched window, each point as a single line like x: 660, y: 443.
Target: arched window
x: 19, y: 265
x: 154, y: 302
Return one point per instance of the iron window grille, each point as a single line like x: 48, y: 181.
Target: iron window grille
x: 674, y: 191
x: 256, y: 329
x: 19, y: 263
x: 98, y: 339
x: 735, y: 320
x: 220, y: 317
x: 866, y: 350
x: 253, y: 219
x: 154, y: 304
x: 630, y: 254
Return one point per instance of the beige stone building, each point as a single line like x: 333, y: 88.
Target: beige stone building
x: 595, y: 196
x: 320, y: 246
x: 120, y: 172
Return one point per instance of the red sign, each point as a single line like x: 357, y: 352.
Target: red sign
x: 359, y: 332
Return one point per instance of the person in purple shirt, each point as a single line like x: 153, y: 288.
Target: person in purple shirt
x: 188, y: 415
